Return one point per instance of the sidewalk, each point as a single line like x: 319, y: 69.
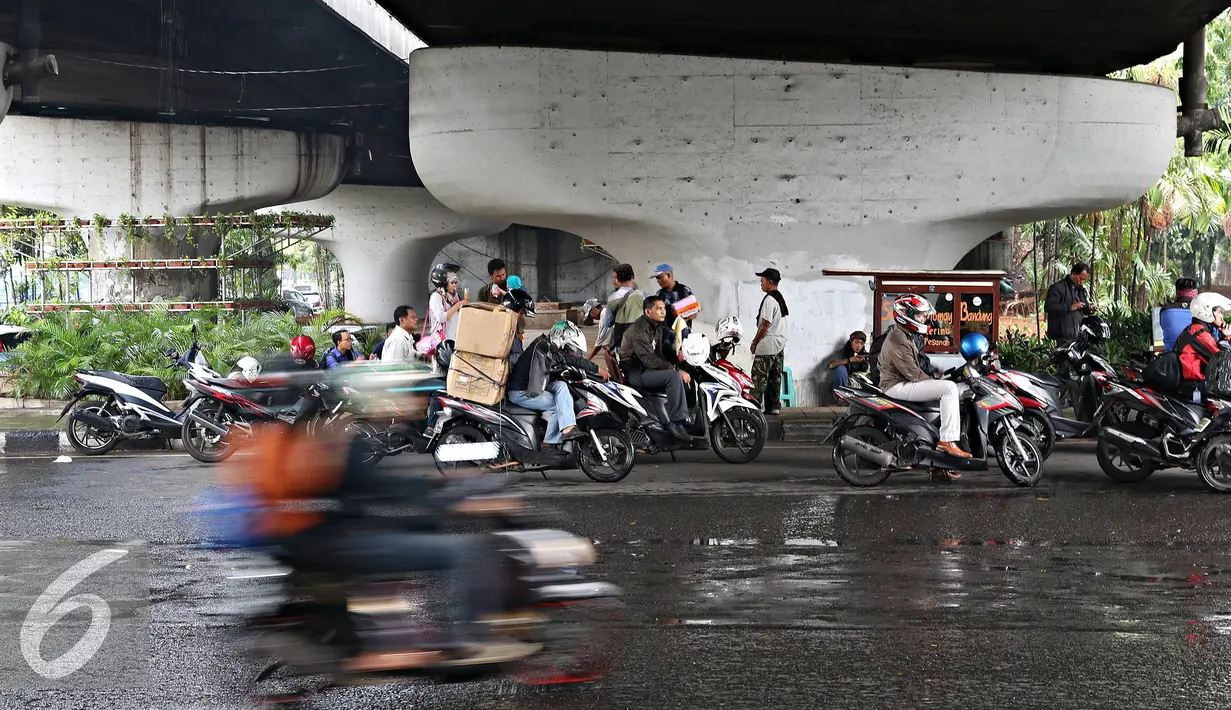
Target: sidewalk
x: 35, y: 429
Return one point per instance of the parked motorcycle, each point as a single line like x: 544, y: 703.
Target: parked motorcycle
x: 508, y: 437
x: 894, y: 434
x: 219, y: 408
x: 1171, y: 430
x: 112, y: 407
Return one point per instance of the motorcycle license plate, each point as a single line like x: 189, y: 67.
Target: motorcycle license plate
x: 469, y: 451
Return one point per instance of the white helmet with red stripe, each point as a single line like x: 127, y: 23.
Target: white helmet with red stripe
x: 912, y: 311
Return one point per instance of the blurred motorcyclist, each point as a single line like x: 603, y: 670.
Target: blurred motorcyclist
x: 338, y: 535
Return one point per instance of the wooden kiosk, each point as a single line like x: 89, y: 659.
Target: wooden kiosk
x: 965, y: 301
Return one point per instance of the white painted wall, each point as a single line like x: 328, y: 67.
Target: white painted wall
x: 385, y: 238
x: 724, y: 166
x: 78, y: 167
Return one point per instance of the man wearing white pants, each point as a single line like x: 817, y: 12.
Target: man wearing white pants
x: 905, y: 375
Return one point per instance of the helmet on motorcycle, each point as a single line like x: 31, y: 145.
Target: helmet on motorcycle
x: 974, y: 345
x: 1096, y: 330
x: 695, y: 349
x: 1203, y: 305
x: 520, y: 301
x: 567, y: 337
x: 303, y: 348
x: 912, y: 311
x: 729, y: 327
x: 248, y: 367
x: 444, y: 354
x: 442, y: 273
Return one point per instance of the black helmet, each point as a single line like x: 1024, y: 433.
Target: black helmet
x: 440, y: 274
x: 1095, y: 329
x: 520, y: 301
x: 444, y: 354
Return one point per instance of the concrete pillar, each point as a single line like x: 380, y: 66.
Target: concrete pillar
x: 75, y: 167
x: 386, y: 239
x: 724, y: 166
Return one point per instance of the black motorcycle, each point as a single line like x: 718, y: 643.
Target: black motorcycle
x: 880, y: 434
x: 503, y: 436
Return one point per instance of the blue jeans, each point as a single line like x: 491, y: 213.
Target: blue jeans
x: 557, y: 401
x: 841, y: 377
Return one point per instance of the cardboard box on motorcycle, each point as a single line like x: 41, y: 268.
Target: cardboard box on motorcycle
x: 486, y: 329
x: 480, y: 366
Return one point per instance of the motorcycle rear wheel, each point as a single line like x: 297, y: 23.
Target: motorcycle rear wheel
x: 203, y: 444
x: 84, y: 438
x: 848, y: 464
x: 462, y: 434
x: 1133, y: 468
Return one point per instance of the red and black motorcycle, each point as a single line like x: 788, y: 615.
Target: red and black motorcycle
x: 216, y: 409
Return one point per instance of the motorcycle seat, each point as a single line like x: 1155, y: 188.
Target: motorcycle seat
x: 1043, y: 379
x: 932, y: 407
x: 512, y: 409
x: 150, y: 385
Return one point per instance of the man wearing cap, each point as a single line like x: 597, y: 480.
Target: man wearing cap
x: 770, y: 343
x: 681, y: 304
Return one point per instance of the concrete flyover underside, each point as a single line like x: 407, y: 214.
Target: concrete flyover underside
x: 385, y: 239
x: 724, y: 166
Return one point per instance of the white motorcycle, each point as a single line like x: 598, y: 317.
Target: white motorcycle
x: 111, y: 407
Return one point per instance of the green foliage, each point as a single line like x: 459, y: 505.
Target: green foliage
x: 1025, y: 351
x: 135, y: 343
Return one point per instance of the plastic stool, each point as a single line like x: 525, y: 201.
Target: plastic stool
x: 787, y: 396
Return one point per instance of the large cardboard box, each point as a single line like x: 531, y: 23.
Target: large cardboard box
x: 486, y: 329
x: 477, y: 378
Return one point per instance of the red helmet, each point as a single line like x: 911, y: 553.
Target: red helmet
x: 913, y: 311
x: 302, y: 348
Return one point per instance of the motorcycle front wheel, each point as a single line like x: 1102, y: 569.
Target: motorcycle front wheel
x: 743, y: 440
x: 1025, y: 467
x: 203, y: 443
x: 1210, y: 469
x: 619, y: 451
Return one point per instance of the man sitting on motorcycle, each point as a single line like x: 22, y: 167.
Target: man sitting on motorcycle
x: 647, y: 369
x: 531, y: 385
x: 1198, y: 343
x: 903, y: 377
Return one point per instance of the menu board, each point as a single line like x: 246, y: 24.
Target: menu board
x: 977, y: 314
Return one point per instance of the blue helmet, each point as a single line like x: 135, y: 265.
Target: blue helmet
x: 974, y: 345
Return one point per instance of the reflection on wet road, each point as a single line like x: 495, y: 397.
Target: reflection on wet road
x: 1074, y: 596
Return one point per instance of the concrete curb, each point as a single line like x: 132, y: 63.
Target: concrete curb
x: 18, y: 442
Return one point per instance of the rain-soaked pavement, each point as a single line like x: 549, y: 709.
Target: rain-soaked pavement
x: 770, y: 585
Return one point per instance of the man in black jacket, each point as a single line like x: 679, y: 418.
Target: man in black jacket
x: 646, y: 369
x: 531, y: 386
x: 1067, y: 303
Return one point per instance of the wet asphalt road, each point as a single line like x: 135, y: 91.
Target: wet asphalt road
x: 771, y: 585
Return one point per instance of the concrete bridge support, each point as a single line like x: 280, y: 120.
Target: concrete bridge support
x: 724, y: 166
x: 79, y: 168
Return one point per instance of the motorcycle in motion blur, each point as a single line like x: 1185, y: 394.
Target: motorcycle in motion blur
x: 112, y: 407
x: 545, y: 623
x: 218, y: 408
x: 879, y: 434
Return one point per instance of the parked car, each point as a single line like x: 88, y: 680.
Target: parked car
x: 10, y: 337
x: 312, y: 296
x: 297, y: 304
